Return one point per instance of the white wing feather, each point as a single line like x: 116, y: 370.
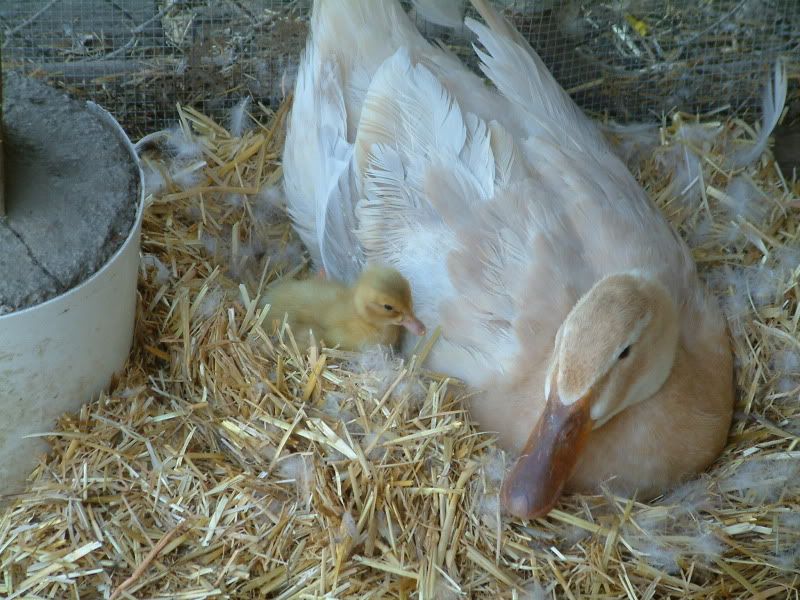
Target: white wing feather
x: 521, y: 76
x: 350, y: 39
x: 447, y: 13
x: 301, y: 178
x: 318, y: 171
x: 772, y: 106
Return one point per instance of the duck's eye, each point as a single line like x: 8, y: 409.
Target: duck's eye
x: 625, y: 351
x: 388, y: 307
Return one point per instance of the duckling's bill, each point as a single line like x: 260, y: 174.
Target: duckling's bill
x: 413, y: 324
x: 535, y: 482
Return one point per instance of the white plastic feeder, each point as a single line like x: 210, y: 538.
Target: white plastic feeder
x: 60, y: 354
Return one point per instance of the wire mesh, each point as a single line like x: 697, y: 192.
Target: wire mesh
x: 632, y: 60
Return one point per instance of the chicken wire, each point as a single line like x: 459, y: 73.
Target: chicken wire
x: 630, y: 60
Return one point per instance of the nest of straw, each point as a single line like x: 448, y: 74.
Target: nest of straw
x: 226, y: 462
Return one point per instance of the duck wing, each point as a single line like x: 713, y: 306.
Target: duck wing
x: 348, y: 42
x: 429, y: 171
x: 318, y: 168
x: 588, y: 184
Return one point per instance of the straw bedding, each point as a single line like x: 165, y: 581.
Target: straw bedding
x: 226, y: 462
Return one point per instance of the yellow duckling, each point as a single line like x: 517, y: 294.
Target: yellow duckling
x: 369, y: 313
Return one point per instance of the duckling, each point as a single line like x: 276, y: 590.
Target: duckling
x: 371, y: 312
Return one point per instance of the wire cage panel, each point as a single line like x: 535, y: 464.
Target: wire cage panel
x: 632, y: 60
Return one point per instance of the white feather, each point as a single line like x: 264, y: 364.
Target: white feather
x: 488, y: 510
x: 188, y: 177
x: 446, y: 589
x: 348, y: 531
x: 186, y: 164
x: 787, y: 261
x: 494, y: 467
x: 785, y: 366
x: 686, y: 174
x: 162, y: 275
x: 269, y: 205
x: 786, y: 361
x: 407, y: 106
x: 447, y: 13
x: 746, y: 201
x: 234, y: 200
x: 682, y: 161
x: 787, y: 547
x: 415, y: 148
x: 509, y: 165
x: 534, y: 591
x: 182, y: 145
x: 761, y: 285
x: 211, y: 303
x: 675, y: 528
x: 731, y: 286
x: 477, y: 155
x: 763, y: 480
x: 318, y: 170
x: 300, y: 469
x: 772, y: 106
x: 238, y: 123
x: 633, y: 142
x: 699, y: 135
x: 377, y: 362
x: 154, y: 182
x: 702, y: 233
x: 521, y: 76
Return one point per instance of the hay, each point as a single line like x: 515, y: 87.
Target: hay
x: 226, y: 463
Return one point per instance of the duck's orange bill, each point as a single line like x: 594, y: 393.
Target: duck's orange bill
x: 537, y: 479
x: 413, y: 324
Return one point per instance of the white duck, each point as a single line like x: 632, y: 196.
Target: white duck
x: 559, y: 287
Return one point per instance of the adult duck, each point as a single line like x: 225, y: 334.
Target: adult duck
x: 559, y: 288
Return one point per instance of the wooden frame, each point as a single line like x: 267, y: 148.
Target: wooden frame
x: 2, y: 154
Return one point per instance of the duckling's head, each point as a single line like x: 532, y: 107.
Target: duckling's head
x: 383, y: 297
x: 615, y: 349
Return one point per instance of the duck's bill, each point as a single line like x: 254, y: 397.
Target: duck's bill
x: 537, y: 479
x: 413, y: 324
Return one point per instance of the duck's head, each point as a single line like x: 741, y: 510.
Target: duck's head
x: 383, y: 297
x: 615, y: 349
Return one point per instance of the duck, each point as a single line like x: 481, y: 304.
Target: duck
x: 558, y: 289
x: 371, y: 312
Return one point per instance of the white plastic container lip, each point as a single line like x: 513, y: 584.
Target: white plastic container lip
x: 57, y: 355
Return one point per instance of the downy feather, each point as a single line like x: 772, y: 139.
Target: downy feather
x: 238, y: 121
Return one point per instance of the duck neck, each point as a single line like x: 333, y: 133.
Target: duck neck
x: 704, y: 373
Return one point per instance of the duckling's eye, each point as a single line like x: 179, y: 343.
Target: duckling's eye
x: 388, y: 307
x: 625, y: 351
